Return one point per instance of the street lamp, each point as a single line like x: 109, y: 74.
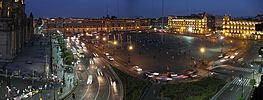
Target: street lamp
x: 97, y: 37
x: 202, y: 50
x: 130, y: 48
x: 104, y: 38
x: 115, y: 42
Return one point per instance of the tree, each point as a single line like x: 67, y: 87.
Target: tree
x: 252, y: 82
x: 69, y: 59
x: 66, y: 53
x: 240, y: 98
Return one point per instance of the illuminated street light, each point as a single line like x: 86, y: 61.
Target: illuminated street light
x: 115, y: 42
x: 104, y: 39
x: 130, y: 47
x: 202, y: 50
x: 221, y: 37
x: 97, y: 37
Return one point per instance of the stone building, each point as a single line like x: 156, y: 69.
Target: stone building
x: 15, y: 28
x: 83, y: 25
x: 241, y: 28
x: 196, y: 23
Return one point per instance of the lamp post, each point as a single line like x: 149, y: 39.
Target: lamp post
x: 222, y: 46
x: 202, y: 50
x: 104, y: 39
x: 130, y: 48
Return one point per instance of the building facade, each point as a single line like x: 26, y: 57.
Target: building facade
x: 241, y: 28
x: 200, y: 24
x: 74, y: 25
x: 159, y: 23
x: 15, y: 28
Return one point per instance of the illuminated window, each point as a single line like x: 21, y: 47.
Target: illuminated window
x: 8, y: 11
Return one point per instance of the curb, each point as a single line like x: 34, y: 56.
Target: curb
x: 67, y: 95
x: 145, y: 89
x: 220, y: 91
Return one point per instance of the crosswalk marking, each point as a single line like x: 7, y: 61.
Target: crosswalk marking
x: 239, y: 81
x: 243, y: 69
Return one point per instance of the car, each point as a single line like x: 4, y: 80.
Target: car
x: 168, y: 79
x: 226, y: 57
x: 29, y: 62
x: 193, y: 75
x: 110, y: 58
x: 15, y: 73
x: 173, y: 75
x: 222, y: 60
x: 156, y: 74
x: 95, y: 55
x: 89, y: 81
x: 112, y: 82
x: 137, y: 68
x: 148, y: 74
x: 184, y: 76
x: 99, y: 72
x: 106, y: 54
x: 220, y: 56
x: 232, y: 57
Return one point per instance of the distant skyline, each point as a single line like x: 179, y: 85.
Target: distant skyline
x: 141, y: 8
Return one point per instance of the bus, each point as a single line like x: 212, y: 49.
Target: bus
x: 80, y: 53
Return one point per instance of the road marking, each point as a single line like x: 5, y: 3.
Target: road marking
x: 98, y: 88
x: 242, y: 82
x: 85, y: 93
x: 109, y: 85
x: 232, y: 88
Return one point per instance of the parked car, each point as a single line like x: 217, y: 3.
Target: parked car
x: 137, y: 68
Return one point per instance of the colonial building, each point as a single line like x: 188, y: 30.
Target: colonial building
x: 201, y: 23
x: 74, y: 25
x: 241, y: 28
x: 15, y: 28
x: 159, y: 23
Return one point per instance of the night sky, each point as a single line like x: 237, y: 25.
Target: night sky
x: 141, y: 8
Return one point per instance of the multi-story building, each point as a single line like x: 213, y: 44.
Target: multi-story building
x: 74, y: 25
x: 159, y: 23
x: 201, y: 23
x: 241, y: 28
x: 15, y: 28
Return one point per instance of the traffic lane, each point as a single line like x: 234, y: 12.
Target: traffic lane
x: 103, y: 83
x: 104, y: 90
x: 232, y: 72
x: 233, y: 91
x: 117, y: 63
x: 91, y: 70
x: 96, y: 91
x: 112, y: 80
x: 86, y: 91
x: 83, y: 89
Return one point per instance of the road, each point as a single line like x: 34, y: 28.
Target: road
x: 176, y: 53
x: 103, y: 87
x: 233, y: 90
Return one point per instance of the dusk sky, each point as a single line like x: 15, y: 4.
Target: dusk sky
x: 141, y: 8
